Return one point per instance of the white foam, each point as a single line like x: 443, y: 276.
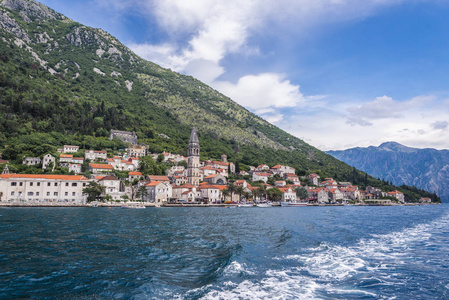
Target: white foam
x: 325, y: 268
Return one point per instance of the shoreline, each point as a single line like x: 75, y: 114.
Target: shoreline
x: 120, y: 204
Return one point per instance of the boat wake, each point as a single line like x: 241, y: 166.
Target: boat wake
x: 372, y: 268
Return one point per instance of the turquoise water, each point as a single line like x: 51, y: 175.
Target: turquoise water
x: 225, y: 253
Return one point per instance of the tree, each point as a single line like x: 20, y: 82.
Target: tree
x: 247, y: 195
x: 1, y: 195
x: 256, y: 194
x: 232, y: 189
x: 263, y: 192
x: 302, y: 193
x: 160, y: 158
x: 148, y: 166
x: 274, y: 194
x: 142, y: 192
x: 107, y: 198
x: 93, y: 190
x: 240, y: 190
x: 183, y: 163
x: 224, y: 193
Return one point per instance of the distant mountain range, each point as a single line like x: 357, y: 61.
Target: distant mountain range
x: 424, y: 168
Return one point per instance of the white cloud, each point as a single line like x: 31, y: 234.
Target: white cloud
x: 383, y: 108
x: 210, y: 30
x: 202, y: 33
x: 334, y: 126
x: 263, y: 93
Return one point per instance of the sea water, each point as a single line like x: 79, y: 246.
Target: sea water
x: 350, y: 252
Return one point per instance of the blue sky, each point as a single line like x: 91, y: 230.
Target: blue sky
x: 336, y: 73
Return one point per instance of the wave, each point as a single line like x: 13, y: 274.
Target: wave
x: 373, y: 268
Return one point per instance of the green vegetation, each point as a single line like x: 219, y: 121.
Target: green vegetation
x: 96, y: 84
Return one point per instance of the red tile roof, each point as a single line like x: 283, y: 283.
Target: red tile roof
x: 153, y: 183
x: 158, y: 178
x: 101, y: 166
x: 135, y: 173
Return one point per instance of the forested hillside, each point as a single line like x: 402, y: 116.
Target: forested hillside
x: 65, y: 83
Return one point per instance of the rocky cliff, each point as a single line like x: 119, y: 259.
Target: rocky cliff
x: 424, y: 168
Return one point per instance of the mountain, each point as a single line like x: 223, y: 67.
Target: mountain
x: 424, y: 168
x: 65, y: 83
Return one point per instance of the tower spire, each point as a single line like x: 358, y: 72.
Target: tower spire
x: 193, y: 160
x: 193, y: 136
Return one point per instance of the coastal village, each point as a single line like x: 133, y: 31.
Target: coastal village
x: 188, y: 181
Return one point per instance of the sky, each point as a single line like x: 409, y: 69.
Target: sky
x: 336, y: 73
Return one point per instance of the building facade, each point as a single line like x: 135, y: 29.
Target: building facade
x: 193, y: 160
x: 39, y: 188
x: 126, y: 136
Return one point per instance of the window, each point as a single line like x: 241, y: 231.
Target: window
x: 55, y: 194
x: 48, y: 193
x: 13, y: 183
x: 37, y: 193
x: 38, y: 184
x: 74, y: 184
x: 30, y: 193
x: 66, y: 193
x: 66, y: 184
x: 73, y: 193
x: 48, y: 183
x: 31, y: 184
x: 84, y: 184
x: 20, y: 183
x: 56, y: 184
x: 12, y: 193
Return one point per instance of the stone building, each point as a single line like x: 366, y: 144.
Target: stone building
x: 126, y: 136
x: 31, y: 161
x: 48, y: 160
x: 193, y: 160
x: 136, y: 151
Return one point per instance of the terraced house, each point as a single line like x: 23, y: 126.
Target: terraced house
x: 38, y: 188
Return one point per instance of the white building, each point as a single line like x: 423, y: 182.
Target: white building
x: 48, y: 160
x: 65, y: 158
x: 75, y: 168
x: 210, y: 193
x: 120, y: 164
x: 100, y: 168
x: 134, y: 175
x: 31, y: 161
x: 261, y: 176
x: 95, y: 155
x: 158, y: 191
x: 288, y: 195
x: 136, y: 151
x: 281, y: 170
x: 41, y: 189
x: 114, y: 187
x: 70, y: 149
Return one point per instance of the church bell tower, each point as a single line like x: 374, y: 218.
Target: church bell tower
x: 193, y: 162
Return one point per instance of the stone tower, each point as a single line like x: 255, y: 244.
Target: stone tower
x: 193, y: 162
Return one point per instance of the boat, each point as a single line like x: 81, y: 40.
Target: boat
x: 135, y: 206
x: 264, y: 204
x: 246, y: 205
x: 293, y: 204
